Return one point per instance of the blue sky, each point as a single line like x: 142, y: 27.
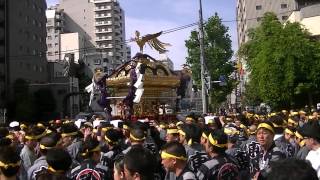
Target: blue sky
x: 151, y: 16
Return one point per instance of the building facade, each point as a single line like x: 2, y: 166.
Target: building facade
x: 23, y: 34
x: 101, y: 23
x: 249, y: 15
x: 166, y: 61
x: 308, y: 15
x: 250, y: 12
x: 3, y: 77
x: 54, y: 27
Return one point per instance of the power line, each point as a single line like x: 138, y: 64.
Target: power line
x: 95, y: 48
x: 168, y: 31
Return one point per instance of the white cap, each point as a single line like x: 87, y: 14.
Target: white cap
x: 78, y: 122
x: 96, y: 123
x: 14, y: 124
x: 115, y: 123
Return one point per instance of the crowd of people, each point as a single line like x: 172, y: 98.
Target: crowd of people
x: 277, y: 146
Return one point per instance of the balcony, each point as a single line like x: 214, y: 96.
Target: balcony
x: 104, y: 38
x: 103, y: 23
x: 108, y: 15
x: 118, y: 54
x: 58, y: 24
x: 116, y: 24
x: 116, y: 9
x: 118, y: 47
x: 116, y: 16
x: 102, y: 1
x: 106, y: 46
x: 102, y: 8
x: 101, y: 31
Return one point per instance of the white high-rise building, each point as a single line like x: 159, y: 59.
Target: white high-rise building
x: 101, y: 24
x: 54, y: 29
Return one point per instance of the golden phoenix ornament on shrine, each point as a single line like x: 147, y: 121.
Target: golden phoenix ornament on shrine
x: 152, y: 41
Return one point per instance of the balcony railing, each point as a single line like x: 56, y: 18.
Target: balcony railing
x: 102, y: 8
x: 100, y: 31
x: 103, y: 23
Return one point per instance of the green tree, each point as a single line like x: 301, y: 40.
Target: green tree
x: 21, y: 105
x: 218, y: 54
x: 44, y: 103
x: 283, y: 61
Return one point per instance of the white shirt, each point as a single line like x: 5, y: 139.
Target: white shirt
x: 314, y: 158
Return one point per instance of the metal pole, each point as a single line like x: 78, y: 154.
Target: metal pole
x: 201, y: 35
x: 71, y: 101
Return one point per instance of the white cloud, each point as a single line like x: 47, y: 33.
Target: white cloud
x: 177, y: 50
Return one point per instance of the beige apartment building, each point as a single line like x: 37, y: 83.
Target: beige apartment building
x: 54, y: 27
x: 101, y: 23
x: 249, y: 15
x: 250, y: 12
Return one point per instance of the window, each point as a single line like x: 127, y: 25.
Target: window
x: 97, y: 61
x: 284, y: 6
x: 258, y: 7
x: 258, y: 19
x: 61, y: 91
x: 49, y: 45
x: 49, y: 37
x: 284, y: 18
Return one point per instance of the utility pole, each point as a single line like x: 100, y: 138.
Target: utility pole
x: 201, y: 35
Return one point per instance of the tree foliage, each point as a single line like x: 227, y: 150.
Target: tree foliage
x: 45, y: 103
x: 283, y: 61
x: 218, y: 54
x: 27, y: 106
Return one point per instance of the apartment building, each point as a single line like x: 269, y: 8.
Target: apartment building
x: 308, y: 15
x: 249, y: 15
x: 101, y: 23
x: 23, y: 44
x: 166, y: 61
x: 54, y: 27
x: 250, y: 12
x: 3, y: 77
